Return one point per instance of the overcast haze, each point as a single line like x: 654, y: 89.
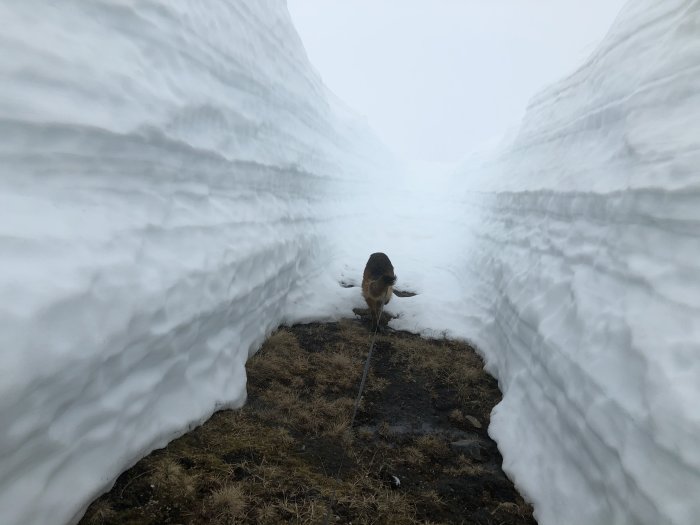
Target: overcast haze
x: 437, y: 78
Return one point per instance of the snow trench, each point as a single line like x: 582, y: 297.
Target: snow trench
x: 164, y: 173
x: 176, y: 181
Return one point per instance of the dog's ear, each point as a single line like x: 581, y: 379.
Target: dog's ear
x: 389, y: 279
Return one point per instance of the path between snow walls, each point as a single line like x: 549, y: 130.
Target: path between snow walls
x: 584, y: 280
x: 164, y: 178
x: 171, y: 194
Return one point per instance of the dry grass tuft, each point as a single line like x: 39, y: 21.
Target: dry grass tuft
x: 456, y: 416
x: 432, y: 498
x: 449, y: 365
x: 384, y: 430
x: 465, y: 466
x: 413, y: 456
x: 168, y: 476
x: 99, y: 513
x: 433, y: 446
x: 281, y: 359
x: 267, y: 514
x: 229, y: 501
x: 369, y: 501
x: 310, y: 392
x: 509, y: 510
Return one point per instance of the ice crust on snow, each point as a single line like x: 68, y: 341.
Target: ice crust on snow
x: 163, y: 178
x: 176, y: 182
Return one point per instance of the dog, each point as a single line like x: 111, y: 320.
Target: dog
x: 378, y: 280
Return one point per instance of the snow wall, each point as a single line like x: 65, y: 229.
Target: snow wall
x: 584, y: 280
x: 165, y: 174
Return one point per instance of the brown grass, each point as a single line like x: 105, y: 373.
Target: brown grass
x: 288, y: 454
x: 100, y: 512
x: 170, y: 477
x: 227, y: 503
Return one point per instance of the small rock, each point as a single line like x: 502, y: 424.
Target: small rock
x: 475, y: 422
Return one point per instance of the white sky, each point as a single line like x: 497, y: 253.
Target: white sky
x: 436, y: 78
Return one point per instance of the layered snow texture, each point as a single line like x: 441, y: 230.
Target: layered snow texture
x: 585, y: 279
x: 164, y: 173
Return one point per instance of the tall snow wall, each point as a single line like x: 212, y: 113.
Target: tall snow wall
x: 164, y: 169
x: 584, y: 280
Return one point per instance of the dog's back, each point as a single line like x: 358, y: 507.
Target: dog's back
x: 377, y: 283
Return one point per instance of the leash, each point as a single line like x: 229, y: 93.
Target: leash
x: 365, y: 371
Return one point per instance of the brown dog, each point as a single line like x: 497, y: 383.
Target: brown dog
x: 377, y: 284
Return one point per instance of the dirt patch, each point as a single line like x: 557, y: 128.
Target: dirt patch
x: 419, y: 452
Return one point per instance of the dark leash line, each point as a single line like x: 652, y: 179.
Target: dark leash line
x: 354, y: 413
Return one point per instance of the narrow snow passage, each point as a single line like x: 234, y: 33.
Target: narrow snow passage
x: 570, y: 255
x: 176, y: 181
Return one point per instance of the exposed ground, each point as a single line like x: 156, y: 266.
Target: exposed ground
x: 287, y: 455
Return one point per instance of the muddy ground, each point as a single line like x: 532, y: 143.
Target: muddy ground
x: 419, y: 451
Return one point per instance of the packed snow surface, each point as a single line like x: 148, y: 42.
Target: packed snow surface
x: 176, y: 182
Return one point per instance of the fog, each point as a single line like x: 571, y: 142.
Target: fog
x: 437, y: 79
